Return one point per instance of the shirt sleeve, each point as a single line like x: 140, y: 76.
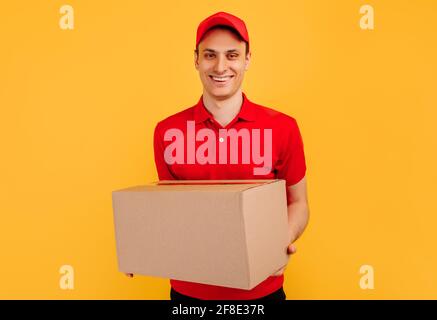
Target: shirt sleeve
x: 291, y: 164
x: 162, y: 167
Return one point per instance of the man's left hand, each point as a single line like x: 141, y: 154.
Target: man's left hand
x: 291, y: 249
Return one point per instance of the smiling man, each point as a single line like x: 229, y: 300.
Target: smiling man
x: 222, y: 57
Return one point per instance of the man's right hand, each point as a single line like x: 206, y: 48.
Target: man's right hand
x: 130, y: 275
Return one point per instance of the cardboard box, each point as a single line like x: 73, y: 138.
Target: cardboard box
x: 230, y: 233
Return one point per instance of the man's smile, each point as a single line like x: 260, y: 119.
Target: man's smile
x: 221, y: 80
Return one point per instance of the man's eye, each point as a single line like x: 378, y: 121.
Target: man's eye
x: 233, y: 56
x: 209, y: 55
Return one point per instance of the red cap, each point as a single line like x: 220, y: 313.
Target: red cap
x: 223, y: 19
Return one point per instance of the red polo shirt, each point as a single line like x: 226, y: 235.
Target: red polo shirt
x: 288, y: 163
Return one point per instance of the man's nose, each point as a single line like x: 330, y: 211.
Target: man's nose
x: 220, y: 66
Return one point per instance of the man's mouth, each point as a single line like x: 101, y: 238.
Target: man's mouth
x: 221, y: 79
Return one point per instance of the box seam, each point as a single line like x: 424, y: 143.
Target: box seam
x: 240, y: 201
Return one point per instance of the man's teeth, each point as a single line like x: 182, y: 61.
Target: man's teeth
x: 221, y: 78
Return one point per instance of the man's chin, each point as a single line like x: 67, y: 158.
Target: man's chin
x: 222, y: 94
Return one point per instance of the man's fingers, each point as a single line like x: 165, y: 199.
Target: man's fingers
x: 291, y: 249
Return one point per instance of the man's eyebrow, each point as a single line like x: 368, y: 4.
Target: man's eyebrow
x: 227, y: 51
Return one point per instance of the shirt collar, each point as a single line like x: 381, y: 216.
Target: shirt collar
x: 247, y: 111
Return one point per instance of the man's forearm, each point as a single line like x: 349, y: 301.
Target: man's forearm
x: 298, y: 215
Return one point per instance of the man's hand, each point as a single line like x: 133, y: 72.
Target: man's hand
x: 291, y: 249
x: 130, y: 275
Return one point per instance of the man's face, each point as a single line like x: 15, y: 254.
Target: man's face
x: 221, y: 63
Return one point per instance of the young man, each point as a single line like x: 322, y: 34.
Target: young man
x: 221, y: 57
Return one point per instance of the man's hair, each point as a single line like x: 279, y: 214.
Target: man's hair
x: 223, y: 27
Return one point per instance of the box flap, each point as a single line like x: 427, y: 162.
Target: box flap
x: 241, y: 181
x: 200, y: 185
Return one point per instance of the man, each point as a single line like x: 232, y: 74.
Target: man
x: 221, y: 57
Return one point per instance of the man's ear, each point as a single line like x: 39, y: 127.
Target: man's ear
x: 247, y: 60
x: 196, y: 60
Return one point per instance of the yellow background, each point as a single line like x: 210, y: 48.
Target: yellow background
x: 78, y: 109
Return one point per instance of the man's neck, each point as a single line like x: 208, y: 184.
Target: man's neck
x: 225, y: 110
